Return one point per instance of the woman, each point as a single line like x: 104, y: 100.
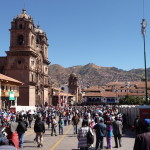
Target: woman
x: 82, y: 136
x: 109, y: 134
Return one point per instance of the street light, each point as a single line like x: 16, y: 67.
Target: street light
x: 143, y: 31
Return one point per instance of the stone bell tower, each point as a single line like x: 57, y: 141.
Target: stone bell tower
x: 73, y: 85
x: 27, y: 60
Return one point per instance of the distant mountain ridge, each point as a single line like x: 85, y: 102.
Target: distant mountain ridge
x: 91, y: 74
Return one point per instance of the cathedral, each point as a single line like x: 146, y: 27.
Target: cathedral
x: 27, y: 60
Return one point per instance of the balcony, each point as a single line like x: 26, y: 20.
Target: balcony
x: 5, y: 93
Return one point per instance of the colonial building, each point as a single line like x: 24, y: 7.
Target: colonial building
x: 61, y: 98
x: 27, y: 60
x: 113, y: 91
x: 9, y: 91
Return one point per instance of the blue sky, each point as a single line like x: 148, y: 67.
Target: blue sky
x: 104, y: 32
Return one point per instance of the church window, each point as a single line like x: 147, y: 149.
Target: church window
x: 32, y: 78
x: 46, y: 69
x: 19, y: 61
x: 32, y: 40
x: 45, y: 51
x: 20, y: 26
x: 12, y: 27
x: 62, y: 88
x: 20, y: 40
x: 32, y: 62
x: 37, y: 40
x: 2, y: 87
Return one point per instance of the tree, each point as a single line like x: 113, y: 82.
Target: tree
x: 131, y: 100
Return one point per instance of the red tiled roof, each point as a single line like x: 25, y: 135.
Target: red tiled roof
x: 92, y: 94
x: 93, y: 88
x: 109, y: 94
x: 103, y: 94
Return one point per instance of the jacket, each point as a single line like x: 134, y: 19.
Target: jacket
x: 142, y: 141
x: 19, y: 127
x: 100, y: 129
x: 39, y: 126
x: 117, y: 128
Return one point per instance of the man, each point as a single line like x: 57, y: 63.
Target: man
x: 138, y: 125
x: 75, y: 122
x: 30, y: 118
x: 100, y: 133
x: 117, y: 131
x: 142, y: 141
x: 39, y: 129
x: 21, y: 129
x: 54, y: 126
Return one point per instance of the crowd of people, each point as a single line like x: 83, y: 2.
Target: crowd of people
x: 88, y: 122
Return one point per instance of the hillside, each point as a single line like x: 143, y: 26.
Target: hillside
x: 92, y: 74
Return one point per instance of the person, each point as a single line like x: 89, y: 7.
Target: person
x: 54, y: 126
x: 4, y: 142
x: 117, y: 131
x: 96, y: 118
x: 30, y: 118
x: 100, y: 129
x: 109, y: 134
x: 69, y: 118
x: 21, y: 129
x: 138, y: 125
x: 82, y: 136
x: 75, y: 122
x: 142, y: 141
x: 48, y: 120
x: 92, y: 124
x: 12, y: 134
x: 3, y: 139
x: 61, y: 125
x: 39, y: 129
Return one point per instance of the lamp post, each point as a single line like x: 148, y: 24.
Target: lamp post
x: 143, y: 31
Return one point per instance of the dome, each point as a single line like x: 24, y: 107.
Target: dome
x: 73, y: 75
x: 38, y: 30
x: 23, y: 15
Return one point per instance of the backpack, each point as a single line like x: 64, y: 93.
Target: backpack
x: 90, y: 137
x: 22, y: 126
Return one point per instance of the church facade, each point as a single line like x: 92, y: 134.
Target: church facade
x: 27, y: 60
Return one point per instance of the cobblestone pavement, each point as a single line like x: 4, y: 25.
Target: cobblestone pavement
x: 68, y: 141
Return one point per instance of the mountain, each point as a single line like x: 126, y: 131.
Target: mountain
x: 91, y: 74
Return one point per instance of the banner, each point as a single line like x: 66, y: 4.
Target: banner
x: 11, y: 95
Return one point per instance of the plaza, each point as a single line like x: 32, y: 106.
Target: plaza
x: 69, y: 141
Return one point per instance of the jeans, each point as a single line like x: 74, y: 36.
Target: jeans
x: 30, y: 122
x: 117, y: 140
x: 21, y: 138
x: 53, y: 130
x: 75, y: 128
x: 99, y: 141
x: 60, y: 130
